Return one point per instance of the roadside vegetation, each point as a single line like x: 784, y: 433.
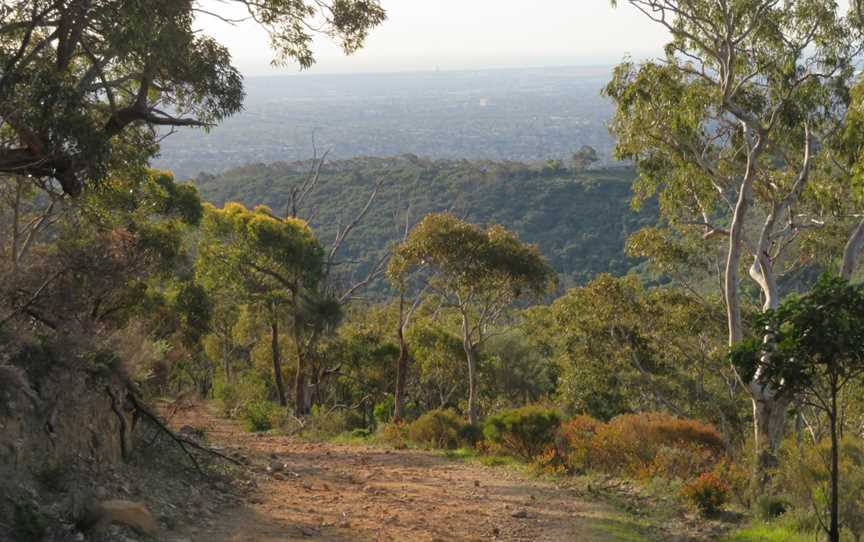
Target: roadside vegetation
x: 726, y: 374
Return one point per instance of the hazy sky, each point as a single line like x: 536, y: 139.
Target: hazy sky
x: 469, y: 34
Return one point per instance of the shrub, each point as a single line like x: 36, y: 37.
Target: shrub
x: 769, y: 507
x: 436, y: 429
x: 551, y: 461
x: 326, y: 422
x: 360, y: 432
x: 261, y: 415
x: 737, y: 475
x: 393, y: 434
x: 574, y: 442
x: 524, y: 432
x: 383, y: 411
x: 804, y: 477
x: 470, y: 435
x: 706, y: 494
x: 233, y: 397
x: 655, y: 444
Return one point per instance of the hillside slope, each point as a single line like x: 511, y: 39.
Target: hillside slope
x: 580, y: 220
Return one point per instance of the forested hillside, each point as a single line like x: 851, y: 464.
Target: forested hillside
x: 580, y: 220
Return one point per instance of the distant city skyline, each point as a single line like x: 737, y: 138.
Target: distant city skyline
x: 464, y: 35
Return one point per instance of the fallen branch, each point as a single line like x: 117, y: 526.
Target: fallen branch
x: 155, y: 419
x: 181, y: 441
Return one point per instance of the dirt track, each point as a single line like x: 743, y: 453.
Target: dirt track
x: 353, y: 493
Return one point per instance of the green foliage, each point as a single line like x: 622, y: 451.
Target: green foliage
x: 438, y: 428
x: 232, y: 397
x: 470, y: 261
x: 805, y: 477
x: 470, y: 435
x: 478, y: 272
x: 524, y: 432
x: 515, y: 371
x: 815, y: 338
x: 256, y: 252
x: 89, y: 88
x: 559, y: 213
x: 706, y: 494
x: 383, y: 411
x: 261, y: 415
x: 641, y: 349
x: 767, y: 532
x: 327, y: 422
x: 771, y: 507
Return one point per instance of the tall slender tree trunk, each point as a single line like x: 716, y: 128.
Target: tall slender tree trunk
x: 401, y: 377
x: 834, y: 529
x: 300, y: 408
x: 471, y: 356
x: 769, y: 424
x: 277, y: 358
x: 769, y: 412
x: 16, y: 219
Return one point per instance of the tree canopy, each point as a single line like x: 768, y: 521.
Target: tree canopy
x: 479, y: 272
x: 86, y: 85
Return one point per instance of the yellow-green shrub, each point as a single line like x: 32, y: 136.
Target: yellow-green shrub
x: 438, y: 428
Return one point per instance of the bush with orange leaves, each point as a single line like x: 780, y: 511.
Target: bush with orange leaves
x: 640, y: 445
x: 706, y: 494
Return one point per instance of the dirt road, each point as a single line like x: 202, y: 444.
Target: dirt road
x: 309, y: 491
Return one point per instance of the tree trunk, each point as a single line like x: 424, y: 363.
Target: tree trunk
x: 300, y: 407
x: 834, y: 529
x: 769, y: 423
x: 16, y: 212
x: 277, y: 359
x: 401, y: 377
x: 852, y: 251
x: 471, y: 356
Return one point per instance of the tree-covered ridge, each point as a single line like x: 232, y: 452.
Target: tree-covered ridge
x: 579, y: 220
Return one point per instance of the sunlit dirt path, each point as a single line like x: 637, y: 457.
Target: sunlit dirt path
x: 310, y: 491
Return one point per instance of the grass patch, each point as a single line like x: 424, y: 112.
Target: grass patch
x: 469, y: 454
x: 352, y: 438
x: 621, y: 529
x: 767, y: 532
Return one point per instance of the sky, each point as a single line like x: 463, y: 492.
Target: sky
x: 424, y: 35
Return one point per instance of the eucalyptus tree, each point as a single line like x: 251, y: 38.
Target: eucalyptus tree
x: 478, y: 272
x: 738, y: 128
x: 85, y: 85
x: 268, y: 261
x: 97, y: 263
x: 816, y: 351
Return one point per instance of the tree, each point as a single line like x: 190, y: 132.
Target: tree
x: 269, y: 261
x: 96, y: 263
x: 735, y: 129
x: 584, y: 157
x: 479, y: 272
x: 816, y: 350
x: 85, y: 85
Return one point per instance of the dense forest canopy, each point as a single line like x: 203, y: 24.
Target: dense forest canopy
x: 580, y: 219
